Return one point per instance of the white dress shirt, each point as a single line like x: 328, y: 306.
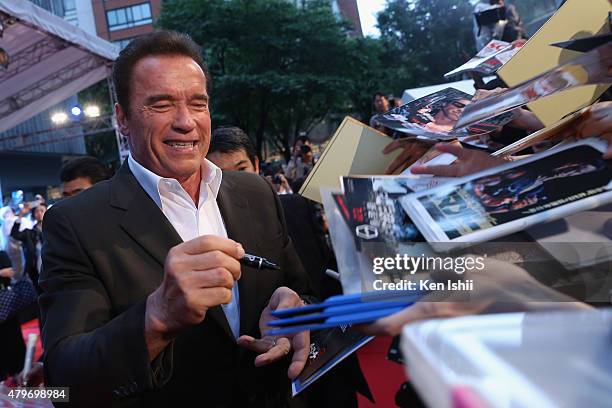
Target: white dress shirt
x: 191, y: 222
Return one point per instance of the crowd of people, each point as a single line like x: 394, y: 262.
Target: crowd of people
x: 143, y: 299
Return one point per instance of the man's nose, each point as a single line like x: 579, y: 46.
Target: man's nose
x: 183, y: 120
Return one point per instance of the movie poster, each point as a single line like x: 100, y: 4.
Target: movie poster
x: 490, y: 59
x: 328, y: 347
x: 562, y: 178
x: 375, y: 214
x: 435, y: 115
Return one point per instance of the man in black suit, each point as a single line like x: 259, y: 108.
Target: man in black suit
x: 145, y: 302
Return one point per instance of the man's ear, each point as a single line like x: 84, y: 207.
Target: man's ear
x: 122, y: 120
x: 257, y: 160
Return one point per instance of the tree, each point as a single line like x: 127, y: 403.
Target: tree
x: 424, y: 39
x: 278, y: 69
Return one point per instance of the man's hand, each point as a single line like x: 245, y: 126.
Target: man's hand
x: 392, y: 325
x: 24, y: 210
x: 7, y: 272
x: 35, y: 377
x: 273, y: 348
x: 597, y: 121
x: 500, y: 286
x: 468, y: 161
x: 412, y: 148
x: 198, y: 275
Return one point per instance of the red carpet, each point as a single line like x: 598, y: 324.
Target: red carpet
x: 32, y: 327
x: 384, y: 377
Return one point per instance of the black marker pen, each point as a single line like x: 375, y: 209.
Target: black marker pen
x: 257, y: 262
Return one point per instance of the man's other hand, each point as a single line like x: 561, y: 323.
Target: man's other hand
x: 597, y: 121
x: 35, y: 377
x: 468, y: 161
x: 412, y: 150
x: 273, y: 348
x: 198, y: 274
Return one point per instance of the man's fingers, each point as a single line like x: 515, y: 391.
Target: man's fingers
x: 207, y: 243
x: 412, y: 152
x: 608, y: 153
x: 394, y: 145
x: 209, y: 297
x: 211, y: 260
x: 399, y: 161
x: 594, y: 127
x: 258, y: 346
x: 211, y: 278
x: 455, y: 149
x: 301, y: 348
x: 284, y: 298
x: 392, y: 325
x: 450, y: 170
x: 267, y: 350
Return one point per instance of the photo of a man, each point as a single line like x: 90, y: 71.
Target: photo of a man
x: 435, y: 116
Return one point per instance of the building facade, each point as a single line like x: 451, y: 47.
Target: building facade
x: 120, y: 21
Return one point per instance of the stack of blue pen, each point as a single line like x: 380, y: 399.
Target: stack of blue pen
x: 342, y: 310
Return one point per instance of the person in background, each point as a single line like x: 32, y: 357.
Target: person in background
x: 231, y: 149
x: 394, y: 102
x: 32, y: 240
x: 80, y: 174
x: 280, y: 183
x: 12, y: 352
x: 380, y: 104
x: 508, y: 30
x: 301, y: 163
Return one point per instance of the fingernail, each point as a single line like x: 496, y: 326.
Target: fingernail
x: 240, y: 250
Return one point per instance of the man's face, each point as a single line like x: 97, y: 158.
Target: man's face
x: 39, y: 213
x: 307, y: 157
x: 168, y: 125
x: 381, y: 103
x: 237, y: 160
x: 74, y: 187
x: 454, y: 109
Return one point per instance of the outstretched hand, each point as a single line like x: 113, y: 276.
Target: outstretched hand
x: 274, y: 348
x: 412, y: 150
x: 468, y: 161
x: 597, y: 121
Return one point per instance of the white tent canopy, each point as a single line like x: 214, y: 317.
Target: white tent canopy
x: 49, y: 61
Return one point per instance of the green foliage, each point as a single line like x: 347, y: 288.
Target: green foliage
x: 424, y: 39
x: 277, y: 69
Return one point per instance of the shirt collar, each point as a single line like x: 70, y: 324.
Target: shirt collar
x: 211, y: 177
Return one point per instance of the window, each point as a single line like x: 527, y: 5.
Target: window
x: 127, y: 17
x: 70, y: 12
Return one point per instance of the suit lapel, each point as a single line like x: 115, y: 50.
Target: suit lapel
x: 147, y: 225
x: 143, y: 221
x: 236, y: 216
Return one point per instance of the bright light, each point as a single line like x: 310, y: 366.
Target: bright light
x: 59, y: 118
x: 76, y: 111
x: 92, y: 111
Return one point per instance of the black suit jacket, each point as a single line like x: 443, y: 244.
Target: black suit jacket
x: 103, y: 255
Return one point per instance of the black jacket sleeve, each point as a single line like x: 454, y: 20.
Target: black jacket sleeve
x: 100, y: 358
